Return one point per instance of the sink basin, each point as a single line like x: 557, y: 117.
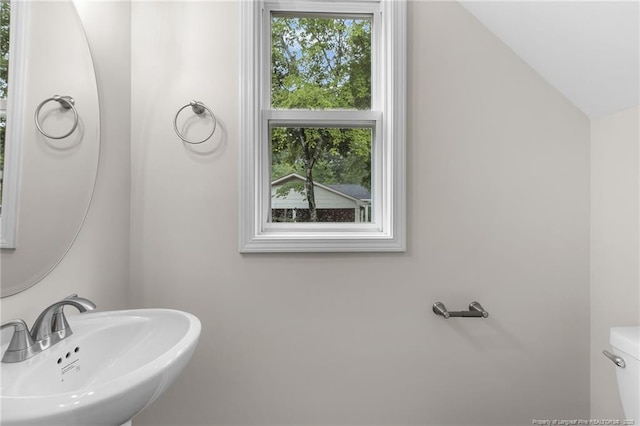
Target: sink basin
x: 113, y: 366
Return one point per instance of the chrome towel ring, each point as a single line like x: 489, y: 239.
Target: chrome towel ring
x: 198, y: 108
x: 66, y: 102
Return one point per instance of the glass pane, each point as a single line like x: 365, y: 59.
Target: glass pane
x: 320, y: 174
x: 320, y: 62
x: 5, y: 15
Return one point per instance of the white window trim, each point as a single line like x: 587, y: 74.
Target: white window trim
x: 15, y: 108
x: 387, y: 118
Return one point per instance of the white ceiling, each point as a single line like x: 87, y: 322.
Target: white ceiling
x: 589, y: 51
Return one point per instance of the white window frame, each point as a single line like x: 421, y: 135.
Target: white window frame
x: 387, y: 231
x: 13, y: 109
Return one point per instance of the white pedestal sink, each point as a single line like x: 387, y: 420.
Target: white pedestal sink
x: 113, y: 366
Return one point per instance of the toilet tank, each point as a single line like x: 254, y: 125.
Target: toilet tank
x: 626, y: 344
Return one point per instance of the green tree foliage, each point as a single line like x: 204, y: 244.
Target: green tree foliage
x: 5, y: 15
x: 321, y: 63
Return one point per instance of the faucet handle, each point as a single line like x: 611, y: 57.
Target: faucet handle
x: 21, y: 342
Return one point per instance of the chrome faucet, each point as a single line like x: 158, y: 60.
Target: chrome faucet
x: 52, y: 325
x: 50, y: 328
x: 21, y: 346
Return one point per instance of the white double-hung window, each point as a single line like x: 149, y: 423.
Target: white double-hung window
x: 323, y: 126
x: 13, y: 60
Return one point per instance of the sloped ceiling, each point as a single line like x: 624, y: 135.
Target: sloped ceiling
x: 589, y: 51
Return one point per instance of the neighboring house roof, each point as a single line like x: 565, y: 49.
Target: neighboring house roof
x: 352, y: 191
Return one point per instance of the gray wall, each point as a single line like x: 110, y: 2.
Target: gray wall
x: 498, y: 172
x: 615, y: 293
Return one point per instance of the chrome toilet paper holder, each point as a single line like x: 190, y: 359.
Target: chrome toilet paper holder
x: 475, y: 311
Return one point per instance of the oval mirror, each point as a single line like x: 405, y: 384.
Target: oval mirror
x: 55, y: 177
